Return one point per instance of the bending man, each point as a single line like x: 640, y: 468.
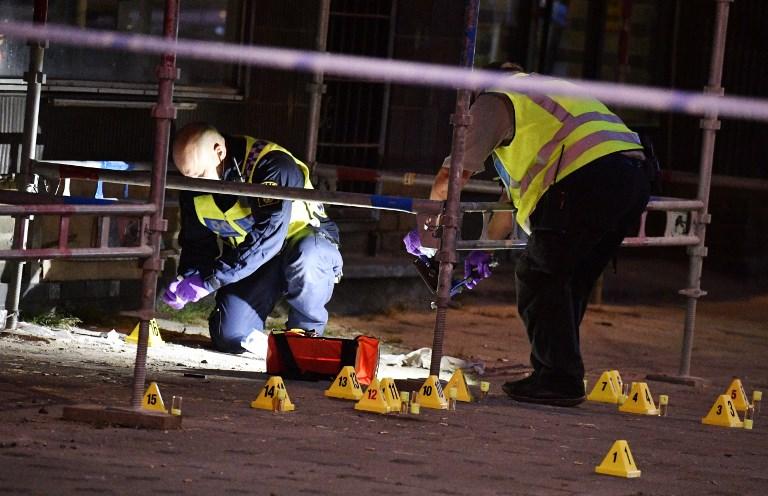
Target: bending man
x: 576, y: 175
x: 269, y: 248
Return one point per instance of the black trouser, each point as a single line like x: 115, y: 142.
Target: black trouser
x: 576, y: 229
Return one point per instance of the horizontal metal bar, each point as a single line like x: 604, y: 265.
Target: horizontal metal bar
x: 674, y: 204
x: 743, y: 183
x: 67, y: 209
x: 381, y: 202
x: 662, y: 241
x: 346, y: 173
x: 516, y: 244
x: 487, y: 207
x: 487, y: 244
x: 120, y: 104
x: 100, y: 253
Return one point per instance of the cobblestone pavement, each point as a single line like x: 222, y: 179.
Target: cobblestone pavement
x: 326, y: 447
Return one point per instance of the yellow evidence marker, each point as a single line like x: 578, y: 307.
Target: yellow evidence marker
x: 606, y: 389
x: 462, y: 390
x: 617, y: 380
x: 723, y: 413
x: 431, y: 394
x: 154, y: 334
x: 268, y: 397
x: 391, y: 394
x: 373, y: 400
x: 639, y: 401
x: 738, y: 395
x: 152, y: 399
x: 345, y: 386
x: 619, y: 462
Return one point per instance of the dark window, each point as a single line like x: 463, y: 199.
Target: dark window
x: 210, y: 20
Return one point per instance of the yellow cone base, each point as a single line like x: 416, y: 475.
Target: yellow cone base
x: 619, y: 462
x: 639, y: 401
x: 268, y: 396
x: 345, y: 386
x: 738, y: 396
x: 431, y: 394
x: 723, y: 414
x: 152, y: 400
x: 391, y: 394
x: 606, y: 389
x: 373, y: 400
x: 154, y: 335
x: 462, y: 390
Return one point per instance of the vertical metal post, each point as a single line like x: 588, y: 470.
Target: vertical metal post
x: 317, y: 87
x: 709, y: 125
x: 35, y: 79
x: 163, y: 113
x: 447, y: 255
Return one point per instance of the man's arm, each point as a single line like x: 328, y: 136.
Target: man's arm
x: 493, y: 122
x: 198, y: 244
x: 270, y: 223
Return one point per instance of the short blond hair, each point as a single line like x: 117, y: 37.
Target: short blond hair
x: 189, y: 140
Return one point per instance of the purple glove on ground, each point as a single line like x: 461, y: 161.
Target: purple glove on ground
x: 477, y: 266
x: 170, y: 297
x: 191, y: 289
x: 413, y: 245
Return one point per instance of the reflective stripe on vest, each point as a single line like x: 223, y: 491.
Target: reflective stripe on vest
x: 570, y: 123
x: 235, y: 224
x: 554, y: 136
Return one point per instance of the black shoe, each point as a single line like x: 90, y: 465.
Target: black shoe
x: 546, y: 390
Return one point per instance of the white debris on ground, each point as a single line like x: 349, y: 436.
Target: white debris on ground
x: 416, y: 365
x: 77, y: 346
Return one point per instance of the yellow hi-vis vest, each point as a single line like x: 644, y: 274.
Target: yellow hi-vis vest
x: 555, y: 136
x: 235, y: 224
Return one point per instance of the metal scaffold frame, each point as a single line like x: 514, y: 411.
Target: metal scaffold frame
x: 22, y: 204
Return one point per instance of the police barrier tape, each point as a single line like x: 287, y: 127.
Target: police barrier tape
x: 388, y: 70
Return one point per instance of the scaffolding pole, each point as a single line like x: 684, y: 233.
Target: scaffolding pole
x: 447, y: 255
x: 709, y: 124
x: 35, y: 78
x: 317, y: 86
x: 163, y: 113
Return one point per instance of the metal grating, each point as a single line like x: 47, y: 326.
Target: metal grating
x: 11, y: 129
x: 354, y: 113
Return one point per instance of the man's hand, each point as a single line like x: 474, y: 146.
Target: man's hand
x: 191, y: 289
x: 179, y: 293
x: 477, y: 266
x: 413, y: 245
x: 170, y: 297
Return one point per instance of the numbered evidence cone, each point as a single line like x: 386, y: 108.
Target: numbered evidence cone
x: 459, y: 382
x: 619, y: 462
x: 391, y: 394
x: 639, y: 401
x: 737, y: 394
x: 617, y: 380
x: 373, y: 400
x: 723, y: 413
x: 345, y: 386
x: 154, y: 334
x: 152, y: 399
x: 268, y: 396
x: 431, y: 394
x: 606, y: 389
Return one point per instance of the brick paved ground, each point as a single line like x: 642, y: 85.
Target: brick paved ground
x: 326, y: 447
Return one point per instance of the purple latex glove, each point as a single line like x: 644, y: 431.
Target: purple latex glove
x: 413, y: 245
x: 477, y: 266
x: 170, y: 297
x: 191, y: 289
